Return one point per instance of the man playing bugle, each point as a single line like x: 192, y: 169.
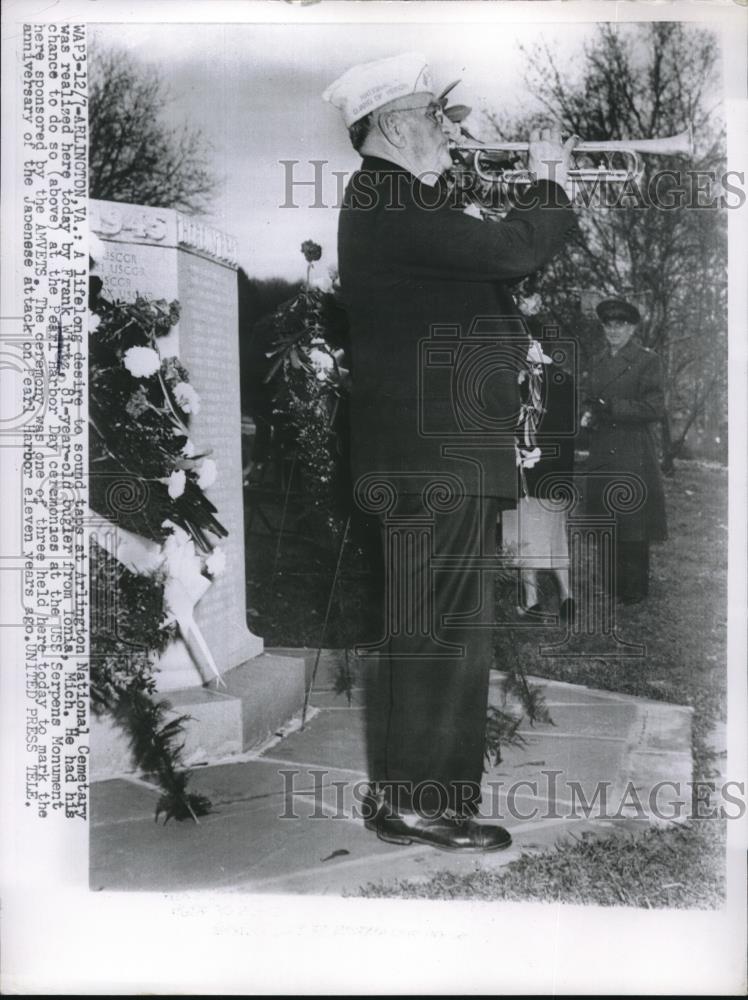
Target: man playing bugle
x: 425, y: 286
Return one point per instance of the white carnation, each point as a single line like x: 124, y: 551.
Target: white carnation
x: 176, y: 483
x: 321, y: 360
x: 93, y: 322
x: 207, y: 473
x: 215, y: 564
x: 186, y: 397
x: 141, y: 362
x: 532, y: 305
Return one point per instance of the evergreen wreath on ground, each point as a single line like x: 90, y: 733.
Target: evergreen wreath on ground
x: 147, y: 480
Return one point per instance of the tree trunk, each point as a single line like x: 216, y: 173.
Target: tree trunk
x: 668, y: 452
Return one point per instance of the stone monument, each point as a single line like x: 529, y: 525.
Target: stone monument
x: 166, y: 255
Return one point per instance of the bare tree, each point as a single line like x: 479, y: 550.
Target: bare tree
x: 134, y: 155
x: 647, y: 81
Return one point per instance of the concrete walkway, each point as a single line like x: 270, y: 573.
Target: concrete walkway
x: 283, y: 822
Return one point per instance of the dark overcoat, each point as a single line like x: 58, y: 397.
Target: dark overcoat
x: 410, y: 261
x: 623, y: 440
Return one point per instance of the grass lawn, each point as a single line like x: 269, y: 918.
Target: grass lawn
x: 682, y: 868
x: 682, y: 624
x: 683, y: 628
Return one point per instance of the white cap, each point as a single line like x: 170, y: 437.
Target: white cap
x: 368, y: 86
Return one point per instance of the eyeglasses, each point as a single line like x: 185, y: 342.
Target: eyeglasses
x: 434, y: 111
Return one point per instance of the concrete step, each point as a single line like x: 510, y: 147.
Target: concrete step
x: 260, y: 696
x: 331, y: 666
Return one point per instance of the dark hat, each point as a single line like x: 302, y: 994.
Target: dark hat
x: 610, y: 309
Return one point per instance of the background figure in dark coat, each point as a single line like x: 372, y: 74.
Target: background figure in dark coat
x: 416, y: 274
x: 624, y: 403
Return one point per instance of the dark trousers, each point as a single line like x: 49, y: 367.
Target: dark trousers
x: 427, y: 698
x: 632, y: 570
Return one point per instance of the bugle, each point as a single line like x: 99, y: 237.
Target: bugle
x: 480, y: 158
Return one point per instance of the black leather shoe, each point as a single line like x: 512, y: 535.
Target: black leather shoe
x: 442, y: 832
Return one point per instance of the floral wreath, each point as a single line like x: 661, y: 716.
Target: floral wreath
x: 158, y: 550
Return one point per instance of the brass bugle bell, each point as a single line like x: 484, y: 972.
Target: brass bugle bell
x: 481, y: 156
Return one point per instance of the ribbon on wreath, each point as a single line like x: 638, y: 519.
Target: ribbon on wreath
x: 531, y: 411
x: 184, y: 582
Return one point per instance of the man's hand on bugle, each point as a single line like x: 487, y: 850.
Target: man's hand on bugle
x: 548, y: 157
